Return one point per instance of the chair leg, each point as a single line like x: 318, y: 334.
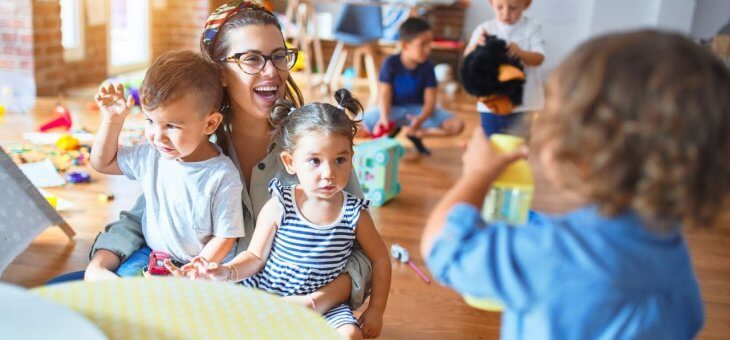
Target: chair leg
x: 334, y: 60
x: 372, y: 76
x: 338, y: 72
x: 67, y: 230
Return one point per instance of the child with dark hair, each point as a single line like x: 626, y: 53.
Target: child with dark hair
x: 638, y: 125
x: 407, y: 90
x: 192, y: 190
x: 306, y: 232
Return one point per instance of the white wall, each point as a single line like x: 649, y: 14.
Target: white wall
x: 567, y: 23
x: 710, y: 16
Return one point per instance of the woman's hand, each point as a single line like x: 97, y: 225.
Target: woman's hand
x: 371, y: 323
x: 112, y: 104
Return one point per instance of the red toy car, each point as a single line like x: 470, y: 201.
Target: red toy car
x: 157, y: 266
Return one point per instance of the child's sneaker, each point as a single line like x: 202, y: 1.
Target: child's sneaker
x: 418, y: 143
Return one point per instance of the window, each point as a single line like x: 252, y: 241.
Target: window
x: 72, y: 34
x: 128, y: 35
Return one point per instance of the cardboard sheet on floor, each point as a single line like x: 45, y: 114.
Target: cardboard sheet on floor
x: 24, y: 212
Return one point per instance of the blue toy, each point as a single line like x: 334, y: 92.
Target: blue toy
x: 376, y: 166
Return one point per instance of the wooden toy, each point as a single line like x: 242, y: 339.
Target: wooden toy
x: 376, y: 166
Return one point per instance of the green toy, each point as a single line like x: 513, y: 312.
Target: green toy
x: 376, y: 166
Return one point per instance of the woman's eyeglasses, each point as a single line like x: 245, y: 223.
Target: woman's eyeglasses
x: 252, y: 62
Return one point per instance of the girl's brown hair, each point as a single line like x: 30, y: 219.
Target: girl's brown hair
x: 641, y: 121
x: 289, y: 123
x: 220, y: 45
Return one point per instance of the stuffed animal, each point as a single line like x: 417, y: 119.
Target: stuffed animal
x: 491, y: 75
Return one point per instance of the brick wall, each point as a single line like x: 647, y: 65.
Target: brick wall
x: 49, y: 66
x: 92, y: 68
x: 30, y: 32
x: 178, y: 25
x: 16, y: 37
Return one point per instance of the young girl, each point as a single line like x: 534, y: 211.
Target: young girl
x: 306, y: 231
x: 638, y: 124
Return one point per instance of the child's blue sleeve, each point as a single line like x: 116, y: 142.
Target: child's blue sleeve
x: 497, y: 262
x: 386, y: 73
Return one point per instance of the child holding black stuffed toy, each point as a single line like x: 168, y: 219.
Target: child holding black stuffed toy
x: 525, y: 43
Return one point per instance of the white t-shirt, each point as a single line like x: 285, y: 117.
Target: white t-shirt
x: 187, y: 203
x: 528, y: 36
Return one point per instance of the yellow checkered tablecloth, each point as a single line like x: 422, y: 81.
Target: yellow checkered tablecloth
x: 167, y: 308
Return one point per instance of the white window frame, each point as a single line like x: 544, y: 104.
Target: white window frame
x: 77, y: 51
x: 113, y: 69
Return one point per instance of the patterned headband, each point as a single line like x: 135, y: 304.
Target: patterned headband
x: 221, y: 14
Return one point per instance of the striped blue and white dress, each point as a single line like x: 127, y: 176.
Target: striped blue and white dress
x: 305, y: 256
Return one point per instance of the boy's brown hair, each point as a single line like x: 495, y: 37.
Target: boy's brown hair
x: 411, y: 28
x: 641, y: 121
x: 177, y: 73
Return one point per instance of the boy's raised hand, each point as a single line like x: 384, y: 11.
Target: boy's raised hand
x: 371, y: 323
x: 482, y: 160
x: 112, y: 104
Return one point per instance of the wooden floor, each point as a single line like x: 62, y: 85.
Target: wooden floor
x: 415, y: 310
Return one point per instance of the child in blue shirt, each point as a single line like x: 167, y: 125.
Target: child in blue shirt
x: 638, y: 125
x: 407, y: 90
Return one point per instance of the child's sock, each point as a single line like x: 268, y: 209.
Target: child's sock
x: 418, y: 143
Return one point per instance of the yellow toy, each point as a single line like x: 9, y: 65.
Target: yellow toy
x: 67, y: 143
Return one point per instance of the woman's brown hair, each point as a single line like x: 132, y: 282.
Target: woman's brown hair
x: 641, y: 121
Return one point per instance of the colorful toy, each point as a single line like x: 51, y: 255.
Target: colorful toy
x: 2, y: 110
x: 67, y: 142
x: 157, y: 263
x: 376, y: 166
x: 401, y: 254
x: 62, y: 121
x: 78, y: 176
x: 490, y: 74
x: 105, y: 197
x: 380, y: 132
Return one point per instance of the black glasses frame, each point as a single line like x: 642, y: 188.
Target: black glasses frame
x: 236, y: 59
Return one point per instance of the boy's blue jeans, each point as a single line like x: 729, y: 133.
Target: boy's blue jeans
x: 494, y: 123
x: 135, y: 263
x: 131, y: 267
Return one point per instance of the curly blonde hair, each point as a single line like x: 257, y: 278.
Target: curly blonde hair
x: 641, y: 121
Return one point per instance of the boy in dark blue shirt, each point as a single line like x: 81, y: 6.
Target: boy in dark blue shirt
x: 407, y: 90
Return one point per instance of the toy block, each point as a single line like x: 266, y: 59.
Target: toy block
x: 376, y: 166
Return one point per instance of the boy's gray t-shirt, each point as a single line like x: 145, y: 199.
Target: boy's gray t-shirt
x: 187, y: 203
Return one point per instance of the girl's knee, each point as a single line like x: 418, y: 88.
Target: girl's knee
x: 350, y: 331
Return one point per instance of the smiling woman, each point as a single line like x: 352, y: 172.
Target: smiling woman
x: 243, y: 27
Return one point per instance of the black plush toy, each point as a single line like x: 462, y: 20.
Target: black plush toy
x: 490, y: 74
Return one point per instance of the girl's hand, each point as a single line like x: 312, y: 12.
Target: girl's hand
x: 112, y: 104
x: 482, y: 160
x: 371, y: 323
